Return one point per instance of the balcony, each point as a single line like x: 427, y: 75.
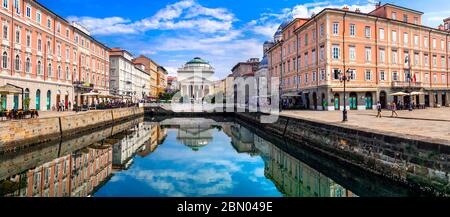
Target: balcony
x: 403, y: 84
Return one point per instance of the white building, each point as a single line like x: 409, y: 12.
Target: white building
x: 195, y: 79
x: 126, y: 78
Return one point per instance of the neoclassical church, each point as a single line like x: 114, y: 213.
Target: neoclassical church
x: 195, y: 79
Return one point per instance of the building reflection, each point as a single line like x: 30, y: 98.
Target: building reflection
x: 196, y: 136
x: 155, y: 136
x: 291, y: 176
x: 73, y: 175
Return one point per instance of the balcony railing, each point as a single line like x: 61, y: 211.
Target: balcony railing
x: 406, y: 84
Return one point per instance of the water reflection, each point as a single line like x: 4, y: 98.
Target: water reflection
x: 175, y: 157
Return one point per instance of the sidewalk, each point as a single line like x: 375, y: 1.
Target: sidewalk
x: 433, y: 123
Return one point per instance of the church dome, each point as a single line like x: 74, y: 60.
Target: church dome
x: 197, y: 60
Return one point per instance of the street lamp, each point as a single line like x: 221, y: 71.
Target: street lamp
x: 407, y: 61
x: 345, y: 77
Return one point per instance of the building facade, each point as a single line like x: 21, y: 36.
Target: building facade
x: 47, y: 56
x: 151, y: 67
x: 386, y: 51
x: 161, y: 80
x: 195, y: 79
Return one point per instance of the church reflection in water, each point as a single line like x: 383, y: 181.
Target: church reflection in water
x: 79, y: 166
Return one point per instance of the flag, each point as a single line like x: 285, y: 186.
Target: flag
x: 414, y: 79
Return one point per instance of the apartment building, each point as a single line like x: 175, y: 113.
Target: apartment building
x: 387, y: 50
x: 48, y: 57
x: 151, y: 67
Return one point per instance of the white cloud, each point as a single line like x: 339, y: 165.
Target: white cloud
x: 186, y: 14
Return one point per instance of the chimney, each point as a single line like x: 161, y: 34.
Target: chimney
x: 441, y: 27
x: 378, y: 5
x: 345, y: 8
x: 357, y: 10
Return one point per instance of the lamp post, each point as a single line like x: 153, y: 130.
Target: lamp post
x: 407, y: 61
x: 345, y: 77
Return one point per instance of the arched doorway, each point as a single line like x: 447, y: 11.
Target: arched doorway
x: 315, y: 100
x: 49, y: 98
x: 16, y: 102
x: 4, y: 100
x: 369, y: 100
x: 38, y: 99
x: 353, y: 101
x: 307, y: 100
x: 383, y: 99
x: 336, y: 102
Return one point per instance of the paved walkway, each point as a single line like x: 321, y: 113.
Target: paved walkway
x: 432, y: 123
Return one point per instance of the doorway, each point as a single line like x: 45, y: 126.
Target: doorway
x: 315, y: 100
x: 336, y: 102
x: 353, y: 101
x: 369, y: 100
x: 444, y: 99
x: 383, y: 99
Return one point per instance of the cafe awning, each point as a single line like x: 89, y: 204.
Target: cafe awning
x: 398, y: 94
x: 417, y: 93
x: 9, y: 89
x: 354, y: 89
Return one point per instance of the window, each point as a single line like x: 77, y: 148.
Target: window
x: 5, y: 31
x: 335, y: 52
x: 394, y: 56
x: 306, y: 39
x: 28, y: 11
x: 49, y: 70
x: 313, y: 56
x: 443, y: 78
x: 394, y: 36
x: 58, y: 49
x: 322, y: 75
x: 381, y: 34
x: 352, y: 30
x: 18, y: 36
x: 17, y: 63
x: 28, y: 39
x: 394, y: 15
x: 368, y: 75
x: 382, y: 55
x: 416, y: 40
x: 28, y: 65
x: 367, y: 32
x: 17, y: 6
x: 76, y: 39
x: 427, y: 77
x: 425, y: 42
x: 335, y: 28
x: 49, y: 47
x: 5, y: 3
x: 416, y: 20
x: 49, y: 23
x: 67, y: 54
x: 435, y: 78
x: 314, y: 76
x: 395, y: 76
x: 405, y: 18
x: 425, y: 59
x: 405, y: 38
x: 38, y: 17
x: 353, y: 74
x: 59, y: 72
x: 5, y: 60
x: 416, y: 59
x: 368, y: 54
x: 39, y: 68
x: 442, y: 61
x: 434, y: 43
x: 322, y: 52
x: 75, y: 56
x: 39, y: 44
x: 352, y: 53
x: 67, y: 73
x: 67, y: 33
x: 336, y: 73
x: 306, y: 59
x: 58, y: 27
x: 434, y: 61
x: 382, y: 75
x: 306, y: 78
x: 442, y: 44
x: 322, y: 30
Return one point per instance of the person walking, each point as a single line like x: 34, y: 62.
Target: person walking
x: 379, y: 109
x: 394, y: 109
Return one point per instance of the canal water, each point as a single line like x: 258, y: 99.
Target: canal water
x: 181, y: 157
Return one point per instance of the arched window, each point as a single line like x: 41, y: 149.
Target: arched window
x: 49, y: 70
x: 38, y: 99
x: 39, y: 68
x: 17, y: 63
x: 28, y: 65
x: 59, y: 72
x: 5, y: 60
x: 49, y: 98
x: 27, y: 98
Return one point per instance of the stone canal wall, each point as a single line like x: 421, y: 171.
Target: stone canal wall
x: 20, y: 133
x: 418, y: 163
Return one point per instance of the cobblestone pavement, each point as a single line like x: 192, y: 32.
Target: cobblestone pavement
x: 433, y: 123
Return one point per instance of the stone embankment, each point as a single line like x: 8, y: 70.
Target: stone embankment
x: 20, y: 133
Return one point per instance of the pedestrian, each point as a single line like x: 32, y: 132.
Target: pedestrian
x: 379, y: 109
x: 66, y: 105
x: 394, y: 108
x: 70, y: 106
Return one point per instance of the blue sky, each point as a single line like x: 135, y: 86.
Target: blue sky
x: 222, y: 32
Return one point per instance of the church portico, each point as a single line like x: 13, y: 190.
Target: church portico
x: 195, y: 79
